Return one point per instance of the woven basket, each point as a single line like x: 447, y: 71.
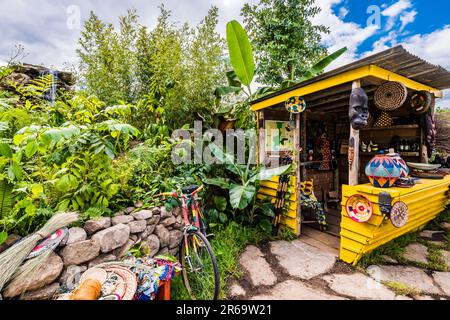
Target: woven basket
x: 383, y: 120
x: 390, y: 96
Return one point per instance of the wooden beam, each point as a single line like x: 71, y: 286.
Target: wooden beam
x: 353, y: 174
x: 297, y: 154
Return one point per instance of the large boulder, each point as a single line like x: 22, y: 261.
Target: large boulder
x: 48, y: 272
x: 112, y: 238
x: 175, y: 238
x: 153, y: 244
x: 137, y: 226
x: 121, y: 219
x: 80, y: 252
x: 120, y: 252
x: 163, y: 235
x: 167, y: 222
x: 71, y: 276
x: 94, y: 225
x: 75, y: 235
x: 148, y: 231
x: 165, y: 213
x: 154, y: 220
x: 143, y: 215
x: 107, y: 257
x: 45, y: 293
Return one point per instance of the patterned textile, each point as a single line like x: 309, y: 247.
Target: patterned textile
x: 309, y: 200
x: 164, y: 268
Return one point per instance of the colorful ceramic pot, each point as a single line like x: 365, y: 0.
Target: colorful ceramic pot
x: 382, y: 171
x: 401, y: 164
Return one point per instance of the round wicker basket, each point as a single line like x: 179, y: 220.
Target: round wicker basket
x: 390, y: 96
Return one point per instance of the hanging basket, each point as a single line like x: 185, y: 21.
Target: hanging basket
x: 390, y: 96
x: 295, y: 105
x: 359, y: 208
x: 383, y: 120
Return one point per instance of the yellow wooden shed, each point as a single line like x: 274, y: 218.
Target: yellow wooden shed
x: 326, y: 118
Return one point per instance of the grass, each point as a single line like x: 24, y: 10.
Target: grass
x: 401, y: 288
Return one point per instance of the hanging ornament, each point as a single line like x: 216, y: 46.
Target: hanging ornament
x: 359, y: 208
x: 294, y: 105
x: 399, y: 214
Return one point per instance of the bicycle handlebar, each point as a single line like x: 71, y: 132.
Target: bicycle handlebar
x: 176, y: 195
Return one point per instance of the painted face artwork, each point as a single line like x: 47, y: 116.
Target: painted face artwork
x: 358, y: 109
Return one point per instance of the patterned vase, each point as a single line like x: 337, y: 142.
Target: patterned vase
x: 382, y: 171
x: 401, y: 164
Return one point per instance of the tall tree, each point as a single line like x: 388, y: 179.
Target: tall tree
x: 285, y: 41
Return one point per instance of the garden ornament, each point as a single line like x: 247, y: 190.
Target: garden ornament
x: 359, y: 109
x: 384, y: 201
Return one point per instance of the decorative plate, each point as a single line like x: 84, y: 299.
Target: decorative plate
x: 359, y: 208
x: 50, y: 243
x: 295, y: 104
x: 399, y: 214
x: 130, y: 281
x: 95, y: 274
x: 114, y: 284
x: 111, y: 297
x: 423, y: 166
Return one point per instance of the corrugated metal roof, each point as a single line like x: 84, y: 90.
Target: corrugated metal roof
x: 397, y: 60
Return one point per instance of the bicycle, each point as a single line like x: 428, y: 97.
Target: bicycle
x: 197, y: 257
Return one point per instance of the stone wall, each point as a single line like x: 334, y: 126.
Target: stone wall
x: 103, y: 240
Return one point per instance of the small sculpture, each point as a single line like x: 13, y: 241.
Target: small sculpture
x: 363, y: 146
x: 359, y: 109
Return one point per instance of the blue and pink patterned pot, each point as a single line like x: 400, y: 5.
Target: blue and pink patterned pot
x: 401, y: 164
x: 382, y: 171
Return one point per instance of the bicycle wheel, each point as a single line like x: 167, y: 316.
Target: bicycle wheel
x: 200, y: 271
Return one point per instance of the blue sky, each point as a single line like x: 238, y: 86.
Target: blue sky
x: 46, y: 29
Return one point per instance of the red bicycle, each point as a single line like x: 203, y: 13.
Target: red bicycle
x: 199, y: 263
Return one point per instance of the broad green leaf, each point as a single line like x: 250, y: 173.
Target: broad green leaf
x: 223, y: 217
x: 213, y: 214
x: 225, y: 90
x: 3, y: 237
x: 220, y: 203
x: 5, y: 150
x: 241, y: 196
x: 31, y: 148
x: 219, y: 182
x: 265, y: 225
x: 267, y: 174
x: 241, y: 55
x: 15, y: 172
x: 322, y: 64
x: 219, y: 154
x: 37, y: 190
x: 233, y: 80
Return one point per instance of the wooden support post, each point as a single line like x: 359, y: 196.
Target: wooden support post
x: 261, y: 137
x: 298, y: 161
x: 353, y: 174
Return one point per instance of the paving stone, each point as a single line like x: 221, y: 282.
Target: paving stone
x: 445, y: 225
x: 416, y: 252
x: 423, y: 298
x: 432, y: 235
x: 388, y: 259
x: 358, y: 286
x: 236, y: 291
x: 443, y: 280
x: 410, y: 276
x: 258, y: 268
x: 295, y: 290
x: 446, y: 257
x: 302, y: 260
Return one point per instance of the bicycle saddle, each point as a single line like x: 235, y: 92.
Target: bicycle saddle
x: 189, y: 190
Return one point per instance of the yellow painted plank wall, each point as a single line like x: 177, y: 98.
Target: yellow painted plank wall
x: 268, y: 191
x: 425, y: 201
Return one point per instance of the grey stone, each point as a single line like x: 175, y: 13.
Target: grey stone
x: 156, y: 210
x: 446, y: 257
x: 148, y: 231
x: 129, y: 210
x: 94, y: 225
x: 10, y: 240
x: 168, y: 221
x: 136, y: 238
x: 120, y: 252
x: 175, y: 238
x: 432, y: 235
x: 153, y: 244
x: 388, y: 259
x: 120, y: 213
x: 107, y: 257
x: 70, y: 277
x: 358, y: 286
x: 80, y: 252
x: 236, y: 291
x: 112, y: 238
x: 121, y: 220
x: 45, y: 274
x: 410, y: 276
x: 163, y: 235
x: 302, y: 260
x: 177, y: 211
x: 179, y: 223
x: 163, y: 251
x: 174, y: 251
x: 445, y: 225
x: 295, y: 290
x: 259, y: 270
x: 139, y: 204
x: 45, y: 293
x: 75, y: 235
x: 137, y: 226
x: 416, y: 252
x: 443, y: 280
x: 154, y: 220
x: 165, y: 213
x: 143, y: 215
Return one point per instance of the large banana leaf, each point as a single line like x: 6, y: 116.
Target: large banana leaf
x: 267, y: 174
x: 241, y: 196
x: 322, y: 64
x: 241, y: 54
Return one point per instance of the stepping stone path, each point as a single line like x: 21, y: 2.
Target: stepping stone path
x: 299, y: 271
x: 416, y: 252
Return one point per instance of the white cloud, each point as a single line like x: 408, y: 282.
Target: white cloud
x: 343, y: 11
x: 393, y: 11
x: 407, y: 18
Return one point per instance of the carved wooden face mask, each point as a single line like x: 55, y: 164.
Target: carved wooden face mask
x: 359, y: 109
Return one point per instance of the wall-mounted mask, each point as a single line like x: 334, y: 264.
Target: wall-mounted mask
x: 359, y: 109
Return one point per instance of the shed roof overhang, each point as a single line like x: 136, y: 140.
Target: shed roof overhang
x: 342, y: 78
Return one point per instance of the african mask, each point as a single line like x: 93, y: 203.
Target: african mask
x: 358, y: 110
